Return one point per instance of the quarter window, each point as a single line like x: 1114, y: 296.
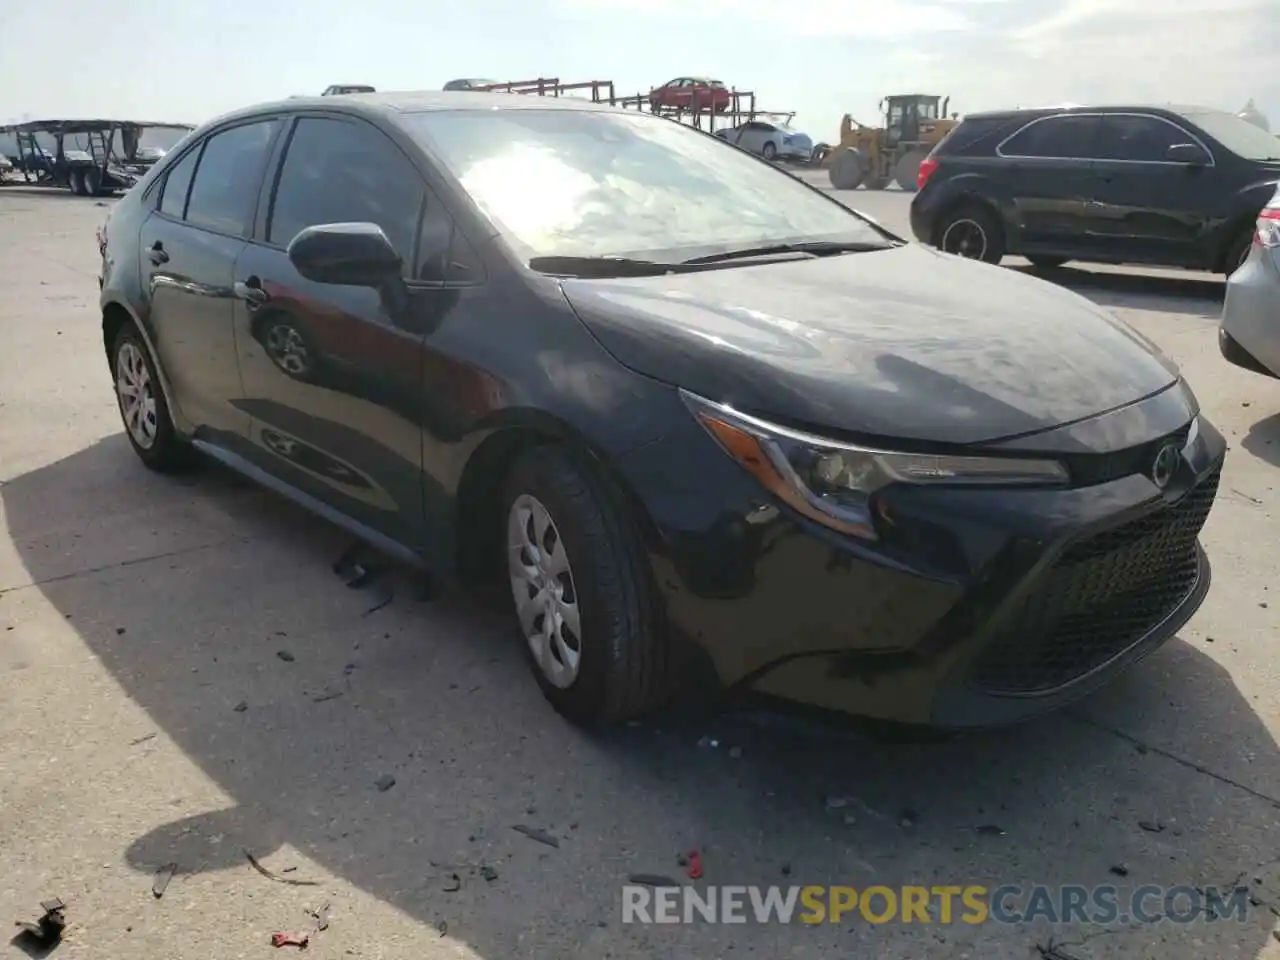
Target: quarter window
x: 173, y: 201
x: 339, y: 171
x: 1127, y: 137
x: 227, y: 177
x: 443, y: 252
x: 1061, y: 138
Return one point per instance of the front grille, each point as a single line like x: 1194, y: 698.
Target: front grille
x: 1094, y: 468
x: 1100, y: 597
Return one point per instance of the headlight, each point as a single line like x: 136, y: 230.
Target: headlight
x: 832, y: 482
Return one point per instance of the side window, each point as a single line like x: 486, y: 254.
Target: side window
x: 1125, y: 137
x: 341, y: 171
x: 226, y: 182
x: 1057, y: 137
x: 443, y: 252
x: 173, y: 198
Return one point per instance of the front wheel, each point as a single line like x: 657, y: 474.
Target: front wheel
x: 582, y: 593
x: 769, y: 152
x: 972, y: 232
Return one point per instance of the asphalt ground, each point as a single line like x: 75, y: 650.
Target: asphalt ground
x: 184, y: 679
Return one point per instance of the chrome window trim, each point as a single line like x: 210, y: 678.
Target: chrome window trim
x: 1191, y: 137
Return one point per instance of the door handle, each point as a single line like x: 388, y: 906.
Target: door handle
x: 251, y: 292
x: 157, y: 254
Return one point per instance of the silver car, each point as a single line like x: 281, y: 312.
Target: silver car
x: 1249, y: 335
x: 773, y: 141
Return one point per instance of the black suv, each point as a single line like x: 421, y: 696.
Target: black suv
x: 1174, y: 186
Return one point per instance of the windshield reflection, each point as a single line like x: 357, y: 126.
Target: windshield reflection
x: 607, y: 184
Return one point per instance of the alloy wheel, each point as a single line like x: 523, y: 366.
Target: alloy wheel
x: 136, y: 394
x: 543, y: 588
x: 965, y: 238
x: 287, y: 348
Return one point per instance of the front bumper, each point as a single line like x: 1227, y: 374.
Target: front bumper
x: 976, y: 608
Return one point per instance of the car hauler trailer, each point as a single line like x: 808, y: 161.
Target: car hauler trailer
x: 739, y: 108
x: 89, y: 157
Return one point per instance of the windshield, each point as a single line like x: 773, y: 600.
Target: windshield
x: 587, y: 183
x: 1239, y: 136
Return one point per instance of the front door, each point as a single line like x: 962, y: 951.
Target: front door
x: 333, y: 374
x: 1051, y: 182
x: 1150, y: 209
x: 190, y: 244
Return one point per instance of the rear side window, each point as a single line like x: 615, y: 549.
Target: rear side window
x: 226, y: 183
x: 973, y: 134
x: 173, y: 201
x: 1061, y: 138
x: 340, y: 171
x: 1128, y: 137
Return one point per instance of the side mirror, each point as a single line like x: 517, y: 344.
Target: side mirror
x: 352, y: 254
x: 1186, y: 153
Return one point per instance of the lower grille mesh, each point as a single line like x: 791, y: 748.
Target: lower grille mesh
x: 1100, y: 597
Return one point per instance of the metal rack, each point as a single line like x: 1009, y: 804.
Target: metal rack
x: 741, y: 107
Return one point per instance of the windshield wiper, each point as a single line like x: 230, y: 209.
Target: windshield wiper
x: 818, y: 248
x: 601, y: 266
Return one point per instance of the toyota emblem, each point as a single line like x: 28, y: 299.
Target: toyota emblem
x: 1165, y: 464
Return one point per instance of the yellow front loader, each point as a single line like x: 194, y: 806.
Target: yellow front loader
x: 872, y: 156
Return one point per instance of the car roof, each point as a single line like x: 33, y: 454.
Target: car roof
x: 390, y: 103
x: 1069, y: 108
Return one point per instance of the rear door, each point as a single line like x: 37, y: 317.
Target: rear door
x: 753, y: 136
x: 189, y: 244
x: 1050, y: 178
x: 333, y: 374
x: 1149, y: 208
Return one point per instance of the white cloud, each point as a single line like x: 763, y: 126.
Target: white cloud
x: 1213, y: 52
x: 883, y: 19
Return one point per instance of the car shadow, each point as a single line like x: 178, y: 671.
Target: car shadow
x: 1195, y: 295
x: 298, y: 695
x: 1263, y: 439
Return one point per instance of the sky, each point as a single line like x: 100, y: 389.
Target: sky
x: 191, y: 60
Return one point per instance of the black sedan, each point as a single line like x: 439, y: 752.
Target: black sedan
x: 704, y: 420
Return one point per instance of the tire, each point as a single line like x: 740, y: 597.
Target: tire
x: 622, y: 664
x: 1238, y: 252
x: 1046, y: 263
x: 964, y: 218
x: 847, y: 170
x: 75, y: 183
x: 907, y: 169
x: 163, y: 450
x: 769, y: 152
x: 91, y: 183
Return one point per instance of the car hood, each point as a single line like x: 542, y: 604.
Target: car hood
x: 904, y: 343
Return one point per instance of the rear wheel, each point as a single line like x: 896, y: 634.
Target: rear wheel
x: 92, y: 183
x: 1046, y: 263
x: 75, y: 182
x: 972, y: 232
x: 143, y: 409
x: 582, y: 593
x: 907, y: 169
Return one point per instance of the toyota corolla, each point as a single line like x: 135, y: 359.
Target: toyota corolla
x: 699, y: 418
